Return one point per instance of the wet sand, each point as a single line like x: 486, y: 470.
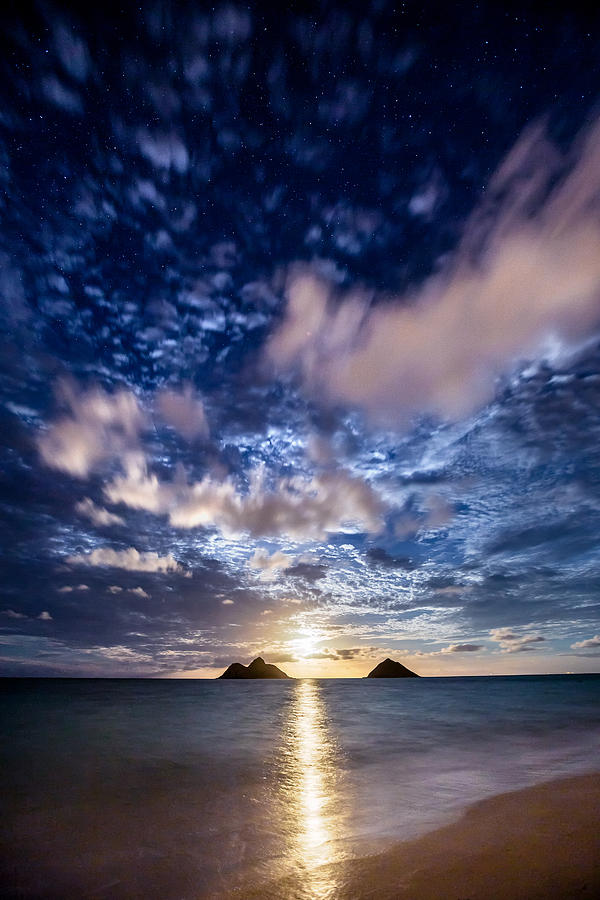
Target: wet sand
x: 542, y: 843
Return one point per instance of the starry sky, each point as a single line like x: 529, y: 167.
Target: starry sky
x: 299, y: 338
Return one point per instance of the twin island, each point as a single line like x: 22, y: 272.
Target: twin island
x: 258, y: 668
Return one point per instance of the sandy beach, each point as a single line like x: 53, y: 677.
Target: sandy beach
x: 542, y: 843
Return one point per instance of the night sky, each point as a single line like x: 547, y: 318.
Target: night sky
x: 299, y: 338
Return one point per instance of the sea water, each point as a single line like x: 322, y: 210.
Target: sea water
x: 194, y: 789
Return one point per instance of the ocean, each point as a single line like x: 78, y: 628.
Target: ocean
x: 199, y: 789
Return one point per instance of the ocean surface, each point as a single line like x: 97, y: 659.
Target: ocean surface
x: 195, y: 789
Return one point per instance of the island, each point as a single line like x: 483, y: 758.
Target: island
x: 389, y: 668
x: 258, y: 668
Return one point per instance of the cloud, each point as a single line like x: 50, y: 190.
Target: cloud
x: 346, y: 653
x: 383, y: 558
x: 139, y: 592
x: 184, y: 412
x: 462, y: 648
x: 140, y: 490
x: 511, y: 642
x: 165, y: 150
x: 11, y: 614
x: 587, y: 644
x: 503, y: 634
x: 114, y: 589
x: 98, y: 427
x: 228, y: 602
x: 523, y: 283
x: 56, y: 92
x: 130, y: 559
x: 232, y: 24
x: 310, y: 572
x: 67, y: 589
x: 269, y: 565
x: 72, y: 52
x: 427, y: 198
x: 300, y: 508
x: 97, y: 514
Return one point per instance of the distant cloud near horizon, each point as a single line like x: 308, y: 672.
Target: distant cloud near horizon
x: 463, y: 648
x: 344, y: 653
x: 587, y: 644
x: 511, y: 642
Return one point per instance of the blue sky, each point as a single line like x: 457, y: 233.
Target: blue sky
x: 299, y: 352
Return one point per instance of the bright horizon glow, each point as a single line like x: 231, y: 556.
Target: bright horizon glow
x: 307, y: 643
x: 499, y: 664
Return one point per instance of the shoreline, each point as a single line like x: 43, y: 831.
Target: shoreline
x: 536, y: 843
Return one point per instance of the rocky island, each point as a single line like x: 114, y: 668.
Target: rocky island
x: 258, y: 668
x: 389, y: 668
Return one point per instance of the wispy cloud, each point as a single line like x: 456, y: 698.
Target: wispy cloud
x: 463, y: 648
x: 165, y: 150
x: 60, y: 95
x: 512, y: 642
x: 269, y: 564
x: 97, y: 426
x: 97, y: 514
x: 524, y: 283
x: 184, y: 411
x: 130, y: 559
x: 11, y: 614
x: 588, y: 644
x: 346, y: 653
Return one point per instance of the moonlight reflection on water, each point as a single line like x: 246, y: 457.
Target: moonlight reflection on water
x: 310, y: 790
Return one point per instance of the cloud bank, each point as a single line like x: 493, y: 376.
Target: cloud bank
x: 524, y: 283
x: 299, y: 508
